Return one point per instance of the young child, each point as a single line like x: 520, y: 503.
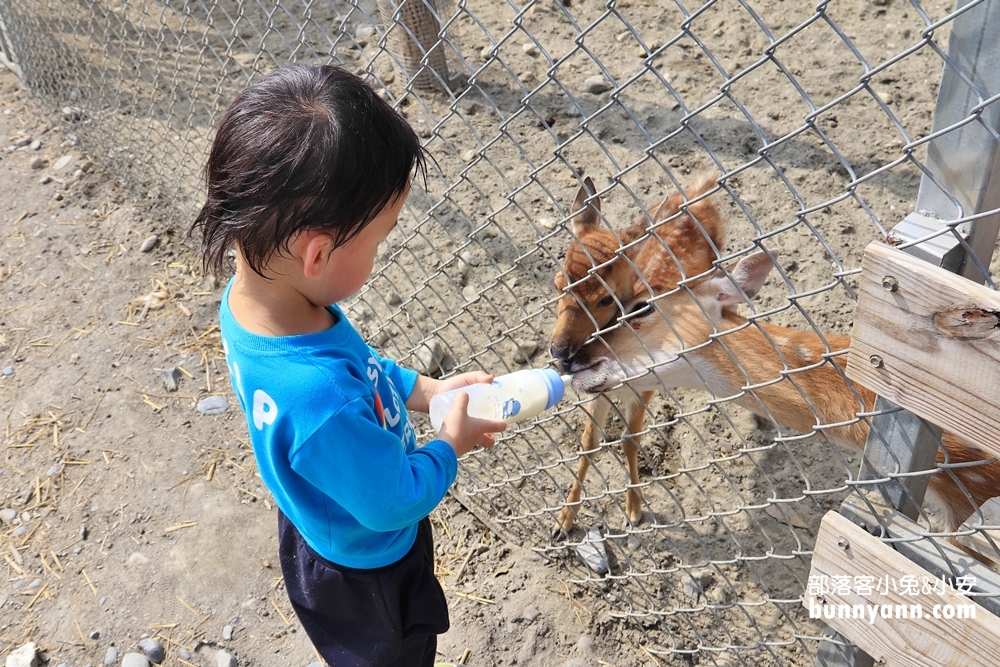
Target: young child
x: 307, y: 174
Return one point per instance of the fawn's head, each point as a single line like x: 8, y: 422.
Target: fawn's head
x: 656, y: 344
x: 605, y: 271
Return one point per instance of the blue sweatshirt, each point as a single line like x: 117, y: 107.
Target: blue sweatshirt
x: 350, y: 479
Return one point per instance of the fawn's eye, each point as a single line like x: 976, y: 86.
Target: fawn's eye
x: 640, y: 309
x: 607, y: 301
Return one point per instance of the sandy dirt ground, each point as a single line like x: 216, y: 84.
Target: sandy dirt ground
x: 128, y: 514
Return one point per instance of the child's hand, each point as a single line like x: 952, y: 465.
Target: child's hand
x: 465, y: 433
x: 463, y: 380
x: 427, y: 388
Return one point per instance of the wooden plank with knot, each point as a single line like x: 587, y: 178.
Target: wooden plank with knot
x: 929, y: 341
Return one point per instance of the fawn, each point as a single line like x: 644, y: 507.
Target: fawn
x: 692, y: 336
x: 599, y: 278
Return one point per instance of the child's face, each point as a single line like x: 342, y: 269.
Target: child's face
x: 349, y: 265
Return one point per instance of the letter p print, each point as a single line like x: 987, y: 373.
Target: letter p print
x: 265, y: 410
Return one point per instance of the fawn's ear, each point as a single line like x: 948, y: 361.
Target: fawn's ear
x: 560, y: 281
x: 740, y: 283
x: 589, y: 214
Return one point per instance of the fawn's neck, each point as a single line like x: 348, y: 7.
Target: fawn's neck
x: 757, y: 355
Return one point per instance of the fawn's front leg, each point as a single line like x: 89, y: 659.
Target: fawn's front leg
x: 635, y: 414
x: 593, y: 430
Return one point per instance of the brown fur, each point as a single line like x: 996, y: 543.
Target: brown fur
x: 598, y: 275
x: 814, y: 389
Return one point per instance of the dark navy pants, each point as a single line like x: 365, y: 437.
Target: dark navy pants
x: 384, y: 617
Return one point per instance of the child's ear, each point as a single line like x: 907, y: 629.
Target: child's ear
x: 311, y: 248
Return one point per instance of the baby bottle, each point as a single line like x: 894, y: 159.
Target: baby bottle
x: 509, y: 398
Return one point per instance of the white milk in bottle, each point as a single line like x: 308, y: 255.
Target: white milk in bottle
x: 509, y: 398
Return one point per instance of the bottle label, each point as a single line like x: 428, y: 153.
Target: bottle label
x: 511, y: 408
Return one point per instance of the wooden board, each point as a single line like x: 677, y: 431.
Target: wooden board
x: 985, y: 540
x: 938, y: 338
x: 842, y: 550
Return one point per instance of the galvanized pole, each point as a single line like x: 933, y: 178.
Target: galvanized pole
x: 412, y: 31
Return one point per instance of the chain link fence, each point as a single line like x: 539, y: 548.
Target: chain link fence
x: 814, y: 117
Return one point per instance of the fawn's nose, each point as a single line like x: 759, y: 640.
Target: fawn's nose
x: 562, y: 354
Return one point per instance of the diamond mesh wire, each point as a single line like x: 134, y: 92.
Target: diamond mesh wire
x: 815, y: 117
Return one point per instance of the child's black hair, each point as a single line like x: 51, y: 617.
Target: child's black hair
x: 305, y: 147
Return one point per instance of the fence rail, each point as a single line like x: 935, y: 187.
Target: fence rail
x: 816, y: 118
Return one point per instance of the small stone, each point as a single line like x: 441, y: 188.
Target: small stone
x: 364, y: 31
x: 137, y: 559
x: 429, y: 358
x: 183, y: 653
x: 469, y: 155
x: 153, y: 650
x: 547, y: 222
x: 63, y: 162
x: 25, y: 656
x: 523, y: 351
x: 592, y: 551
x: 213, y: 405
x: 395, y: 299
x: 54, y: 470
x: 35, y: 145
x: 530, y: 613
x: 39, y: 162
x: 45, y: 180
x: 227, y: 633
x: 704, y: 577
x: 149, y: 243
x: 223, y: 659
x: 693, y: 589
x: 596, y: 85
x: 135, y: 660
x: 359, y: 314
x: 530, y: 49
x: 718, y: 595
x: 8, y: 370
x: 470, y: 293
x: 171, y: 378
x: 468, y: 259
x: 111, y: 657
x: 72, y: 113
x: 95, y: 634
x: 486, y: 52
x: 22, y: 142
x: 8, y: 514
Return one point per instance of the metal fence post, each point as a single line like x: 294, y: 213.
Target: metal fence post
x: 961, y: 178
x: 7, y: 55
x: 412, y: 36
